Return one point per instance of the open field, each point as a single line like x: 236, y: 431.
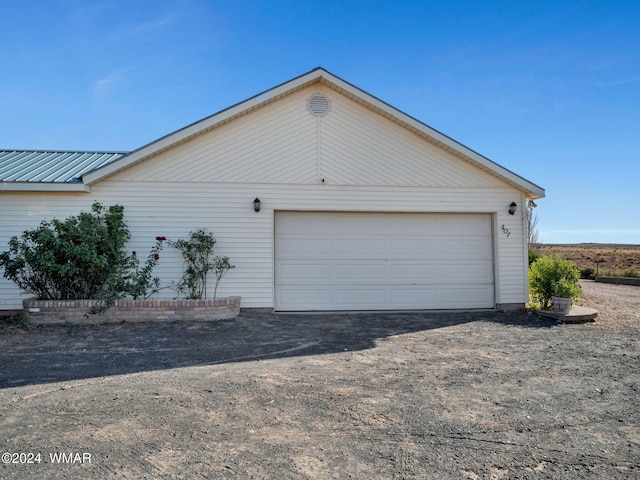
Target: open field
x: 598, y: 256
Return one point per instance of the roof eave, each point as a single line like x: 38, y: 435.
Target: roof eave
x: 43, y: 187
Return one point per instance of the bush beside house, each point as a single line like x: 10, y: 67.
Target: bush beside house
x: 80, y: 264
x: 553, y: 277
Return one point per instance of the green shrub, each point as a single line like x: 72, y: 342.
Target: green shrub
x: 68, y: 259
x: 80, y: 257
x: 553, y: 277
x: 588, y: 273
x: 197, y: 253
x: 533, y: 256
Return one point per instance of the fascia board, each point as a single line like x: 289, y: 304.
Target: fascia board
x: 43, y: 187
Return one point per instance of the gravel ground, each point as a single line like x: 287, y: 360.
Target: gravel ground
x: 618, y: 305
x: 391, y: 396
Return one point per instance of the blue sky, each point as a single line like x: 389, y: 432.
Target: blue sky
x: 548, y: 89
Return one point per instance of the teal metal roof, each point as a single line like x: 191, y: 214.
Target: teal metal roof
x: 47, y: 166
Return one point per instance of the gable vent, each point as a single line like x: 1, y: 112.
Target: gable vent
x: 318, y: 104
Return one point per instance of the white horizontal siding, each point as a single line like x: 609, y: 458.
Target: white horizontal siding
x: 511, y: 251
x: 359, y: 147
x: 283, y: 143
x: 274, y: 144
x: 173, y: 209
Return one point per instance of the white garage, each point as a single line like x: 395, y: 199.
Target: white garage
x: 383, y: 261
x: 323, y: 196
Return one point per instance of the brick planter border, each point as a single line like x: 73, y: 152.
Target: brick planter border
x: 53, y: 312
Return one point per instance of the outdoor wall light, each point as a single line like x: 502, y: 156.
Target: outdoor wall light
x: 256, y: 204
x: 512, y: 208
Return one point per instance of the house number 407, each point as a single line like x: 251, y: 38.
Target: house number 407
x: 505, y: 230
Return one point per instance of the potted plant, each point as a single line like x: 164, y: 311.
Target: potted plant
x: 554, y: 282
x: 564, y: 292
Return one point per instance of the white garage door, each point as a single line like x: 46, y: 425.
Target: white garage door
x: 371, y: 261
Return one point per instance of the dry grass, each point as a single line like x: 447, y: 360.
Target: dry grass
x: 601, y: 257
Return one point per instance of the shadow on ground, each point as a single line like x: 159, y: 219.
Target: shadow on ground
x: 70, y: 353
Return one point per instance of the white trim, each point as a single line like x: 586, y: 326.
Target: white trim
x: 43, y: 187
x: 525, y: 244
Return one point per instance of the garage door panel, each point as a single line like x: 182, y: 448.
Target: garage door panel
x: 357, y: 261
x: 354, y: 223
x: 406, y: 224
x: 359, y: 247
x: 465, y: 273
x: 306, y: 225
x: 359, y: 298
x: 305, y: 299
x: 363, y: 272
x: 304, y: 273
x: 465, y: 296
x: 424, y: 297
x: 419, y: 271
x: 433, y: 297
x: 300, y: 246
x: 475, y: 247
x: 412, y: 247
x: 464, y: 224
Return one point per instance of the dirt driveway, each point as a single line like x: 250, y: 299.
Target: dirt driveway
x: 364, y: 396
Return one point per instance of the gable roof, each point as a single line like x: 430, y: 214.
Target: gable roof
x: 89, y: 177
x: 48, y: 169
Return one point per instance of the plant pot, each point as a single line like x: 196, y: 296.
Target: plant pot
x: 561, y: 305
